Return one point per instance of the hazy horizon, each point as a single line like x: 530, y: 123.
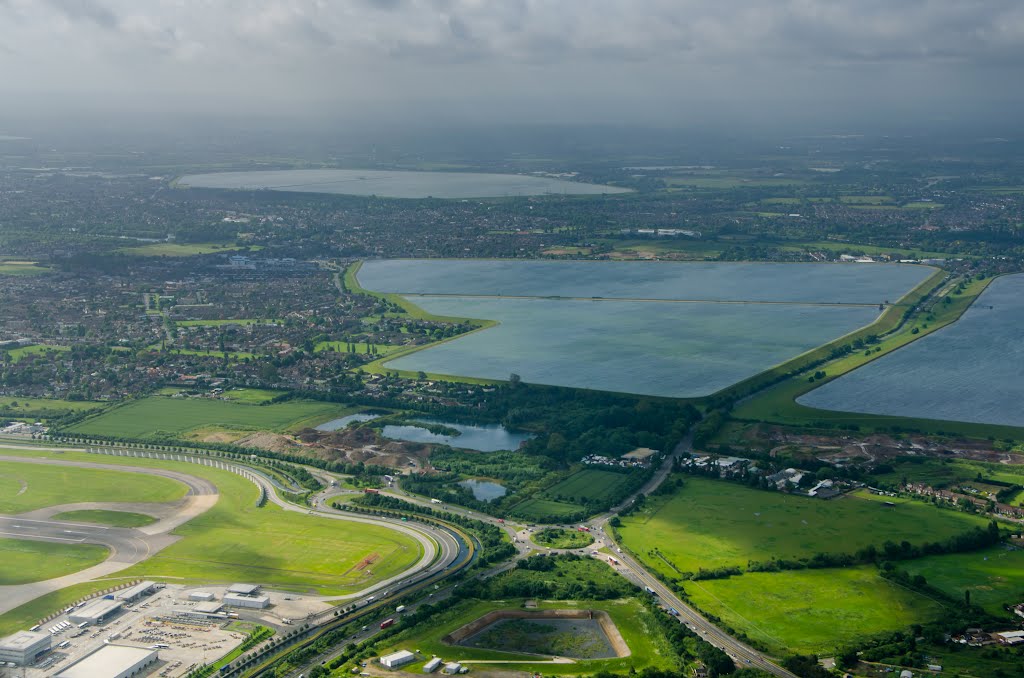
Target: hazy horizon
x: 831, y: 66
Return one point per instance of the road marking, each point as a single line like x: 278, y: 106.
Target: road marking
x: 41, y: 536
x: 61, y: 523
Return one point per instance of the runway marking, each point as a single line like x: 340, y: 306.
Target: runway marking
x: 61, y: 523
x: 42, y: 536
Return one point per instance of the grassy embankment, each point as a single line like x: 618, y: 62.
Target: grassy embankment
x: 351, y: 283
x: 777, y: 403
x: 647, y: 647
x: 238, y: 541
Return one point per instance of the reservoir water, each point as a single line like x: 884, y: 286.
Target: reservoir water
x: 395, y: 184
x: 972, y: 370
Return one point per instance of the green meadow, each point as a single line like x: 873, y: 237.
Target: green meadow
x: 994, y: 577
x: 812, y: 611
x: 713, y: 523
x: 106, y: 517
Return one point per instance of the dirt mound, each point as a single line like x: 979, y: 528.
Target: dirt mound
x: 273, y: 442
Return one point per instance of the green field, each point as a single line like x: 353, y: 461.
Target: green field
x: 105, y: 517
x: 29, y: 407
x: 536, y: 509
x: 558, y: 538
x: 26, y: 487
x: 634, y: 622
x: 22, y: 268
x: 588, y: 483
x: 23, y: 561
x: 160, y: 416
x: 713, y: 523
x: 812, y: 611
x: 995, y: 576
x: 171, y: 249
x: 22, y: 352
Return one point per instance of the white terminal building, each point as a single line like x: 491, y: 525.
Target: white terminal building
x: 24, y: 647
x: 112, y: 661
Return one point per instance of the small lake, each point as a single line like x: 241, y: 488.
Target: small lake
x: 395, y: 184
x: 338, y: 424
x: 482, y: 438
x: 972, y: 370
x: 484, y: 490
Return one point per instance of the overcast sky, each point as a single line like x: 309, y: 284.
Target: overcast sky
x: 663, y: 61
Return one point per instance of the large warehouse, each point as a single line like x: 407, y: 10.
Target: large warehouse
x: 112, y: 661
x: 96, y: 612
x: 23, y: 647
x: 235, y: 600
x: 397, y: 659
x: 130, y: 595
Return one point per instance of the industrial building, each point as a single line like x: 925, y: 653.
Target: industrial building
x: 398, y: 659
x: 452, y: 668
x: 112, y: 661
x: 96, y: 612
x: 244, y: 589
x: 24, y: 647
x: 202, y: 596
x: 432, y: 665
x: 236, y: 600
x: 212, y: 609
x: 131, y: 594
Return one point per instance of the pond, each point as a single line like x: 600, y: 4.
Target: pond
x: 479, y: 437
x: 484, y: 490
x: 342, y: 422
x: 395, y: 184
x: 972, y: 370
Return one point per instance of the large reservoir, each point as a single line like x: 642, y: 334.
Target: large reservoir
x: 666, y: 329
x: 396, y: 184
x: 972, y: 370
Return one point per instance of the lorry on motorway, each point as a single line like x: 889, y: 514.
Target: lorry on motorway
x: 435, y: 501
x: 650, y: 590
x: 387, y: 622
x: 371, y: 490
x: 400, y: 609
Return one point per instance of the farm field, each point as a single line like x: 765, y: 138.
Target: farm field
x: 714, y: 523
x: 995, y: 576
x: 26, y: 487
x: 160, y: 416
x: 632, y: 619
x: 22, y: 268
x: 592, y: 483
x: 394, y: 184
x: 28, y: 407
x: 105, y: 517
x: 970, y: 371
x: 23, y: 561
x: 171, y: 249
x: 812, y: 611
